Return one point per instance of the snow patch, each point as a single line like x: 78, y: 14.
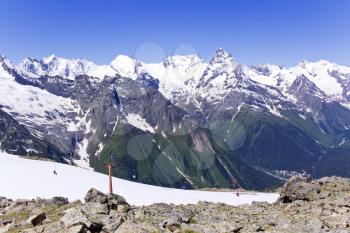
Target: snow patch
x: 29, y: 104
x: 342, y: 142
x: 125, y: 66
x: 99, y: 148
x: 139, y: 122
x: 83, y: 161
x: 74, y: 182
x: 302, y: 116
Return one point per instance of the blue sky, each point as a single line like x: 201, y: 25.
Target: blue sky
x: 253, y: 31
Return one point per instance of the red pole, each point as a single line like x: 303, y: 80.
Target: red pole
x: 110, y: 179
x: 109, y: 166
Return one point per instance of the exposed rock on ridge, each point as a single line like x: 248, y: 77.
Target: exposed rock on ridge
x: 321, y: 205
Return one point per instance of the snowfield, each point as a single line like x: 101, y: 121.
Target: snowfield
x: 25, y: 178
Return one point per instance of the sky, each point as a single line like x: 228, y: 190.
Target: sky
x: 280, y: 32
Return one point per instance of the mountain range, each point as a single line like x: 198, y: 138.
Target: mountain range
x: 183, y: 122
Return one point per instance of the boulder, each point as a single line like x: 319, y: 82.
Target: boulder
x: 51, y: 201
x: 101, y: 219
x: 298, y: 188
x: 172, y: 224
x: 37, y: 218
x: 5, y: 222
x: 74, y: 217
x: 139, y: 214
x: 22, y: 204
x: 122, y: 208
x: 115, y: 200
x: 93, y: 195
x: 94, y: 208
x: 112, y: 227
x: 57, y: 201
x: 4, y: 202
x: 186, y: 215
x: 129, y: 227
x: 334, y: 186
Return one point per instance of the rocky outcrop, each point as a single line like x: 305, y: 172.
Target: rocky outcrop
x: 17, y: 139
x: 304, y: 189
x: 304, y: 205
x: 100, y: 212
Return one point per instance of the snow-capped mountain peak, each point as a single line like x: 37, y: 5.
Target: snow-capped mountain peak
x: 220, y: 68
x: 49, y: 59
x: 221, y: 56
x: 320, y: 63
x: 186, y: 67
x: 182, y: 60
x: 303, y: 85
x: 125, y: 66
x: 182, y: 73
x: 66, y: 68
x: 319, y: 73
x: 303, y: 63
x: 4, y: 60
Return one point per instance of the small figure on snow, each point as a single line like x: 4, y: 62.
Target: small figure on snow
x: 235, y: 185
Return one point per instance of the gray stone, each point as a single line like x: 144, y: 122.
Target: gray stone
x: 186, y: 216
x: 115, y: 200
x: 172, y: 224
x: 76, y: 229
x: 73, y: 217
x: 93, y: 208
x: 4, y: 202
x: 37, y: 218
x: 57, y: 201
x: 139, y: 214
x: 129, y: 227
x: 122, y: 208
x: 101, y: 219
x: 112, y: 227
x: 298, y: 188
x: 22, y: 203
x: 93, y: 195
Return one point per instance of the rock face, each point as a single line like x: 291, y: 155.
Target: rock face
x: 304, y: 205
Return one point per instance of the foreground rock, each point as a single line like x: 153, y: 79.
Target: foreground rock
x: 304, y: 206
x: 37, y: 218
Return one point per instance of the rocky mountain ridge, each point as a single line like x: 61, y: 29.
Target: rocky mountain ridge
x: 304, y: 206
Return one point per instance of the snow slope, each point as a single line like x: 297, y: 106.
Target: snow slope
x: 31, y: 104
x: 68, y: 68
x: 24, y: 178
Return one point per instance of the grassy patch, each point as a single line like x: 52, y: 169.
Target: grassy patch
x: 17, y: 217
